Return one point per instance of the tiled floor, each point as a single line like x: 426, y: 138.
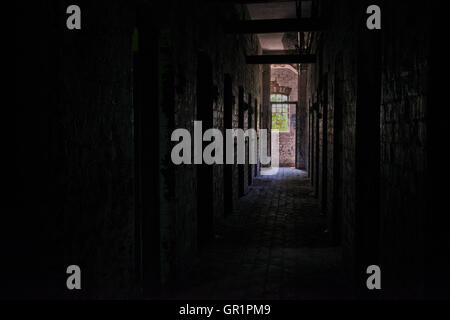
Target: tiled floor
x: 273, y: 247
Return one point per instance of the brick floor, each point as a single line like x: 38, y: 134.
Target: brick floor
x: 273, y: 247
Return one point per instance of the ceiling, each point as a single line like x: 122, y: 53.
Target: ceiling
x: 274, y: 10
x: 278, y: 9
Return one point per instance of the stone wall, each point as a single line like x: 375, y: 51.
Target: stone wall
x: 334, y: 47
x: 369, y: 140
x: 404, y: 144
x: 81, y: 153
x: 199, y: 28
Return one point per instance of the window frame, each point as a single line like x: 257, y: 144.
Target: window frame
x: 280, y: 101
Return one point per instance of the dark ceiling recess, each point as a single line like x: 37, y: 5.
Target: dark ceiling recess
x: 284, y: 28
x: 281, y: 25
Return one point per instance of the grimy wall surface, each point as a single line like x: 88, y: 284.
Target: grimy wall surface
x: 199, y: 29
x: 74, y: 161
x: 404, y: 143
x: 368, y: 122
x: 110, y: 96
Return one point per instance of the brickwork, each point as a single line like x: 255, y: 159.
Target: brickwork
x: 337, y: 47
x: 403, y: 148
x: 202, y: 32
x: 337, y: 78
x: 93, y: 139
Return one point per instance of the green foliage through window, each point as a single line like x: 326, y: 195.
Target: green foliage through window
x: 278, y: 97
x: 280, y: 112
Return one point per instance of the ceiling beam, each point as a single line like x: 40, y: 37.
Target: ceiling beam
x: 277, y: 52
x: 275, y: 25
x: 278, y: 59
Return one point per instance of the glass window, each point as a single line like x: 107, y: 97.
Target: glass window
x: 280, y: 112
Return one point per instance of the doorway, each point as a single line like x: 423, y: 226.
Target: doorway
x: 204, y: 172
x: 228, y: 124
x: 250, y: 114
x: 324, y: 180
x: 146, y: 133
x: 241, y: 167
x: 336, y: 213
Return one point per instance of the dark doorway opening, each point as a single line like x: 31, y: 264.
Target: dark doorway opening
x: 204, y: 171
x: 336, y: 214
x: 324, y: 182
x: 250, y: 126
x: 146, y: 135
x: 316, y: 148
x: 228, y: 124
x: 311, y: 158
x: 241, y: 167
x: 257, y: 122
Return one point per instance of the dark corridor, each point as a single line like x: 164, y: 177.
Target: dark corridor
x: 274, y: 246
x: 106, y: 169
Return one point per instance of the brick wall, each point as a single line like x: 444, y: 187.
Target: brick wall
x: 404, y: 146
x: 336, y: 59
x: 84, y: 212
x: 199, y: 27
x: 86, y: 154
x: 381, y: 202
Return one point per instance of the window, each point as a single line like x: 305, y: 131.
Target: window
x: 280, y: 112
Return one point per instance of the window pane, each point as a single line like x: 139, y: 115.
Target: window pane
x: 280, y: 117
x: 276, y: 97
x: 284, y: 122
